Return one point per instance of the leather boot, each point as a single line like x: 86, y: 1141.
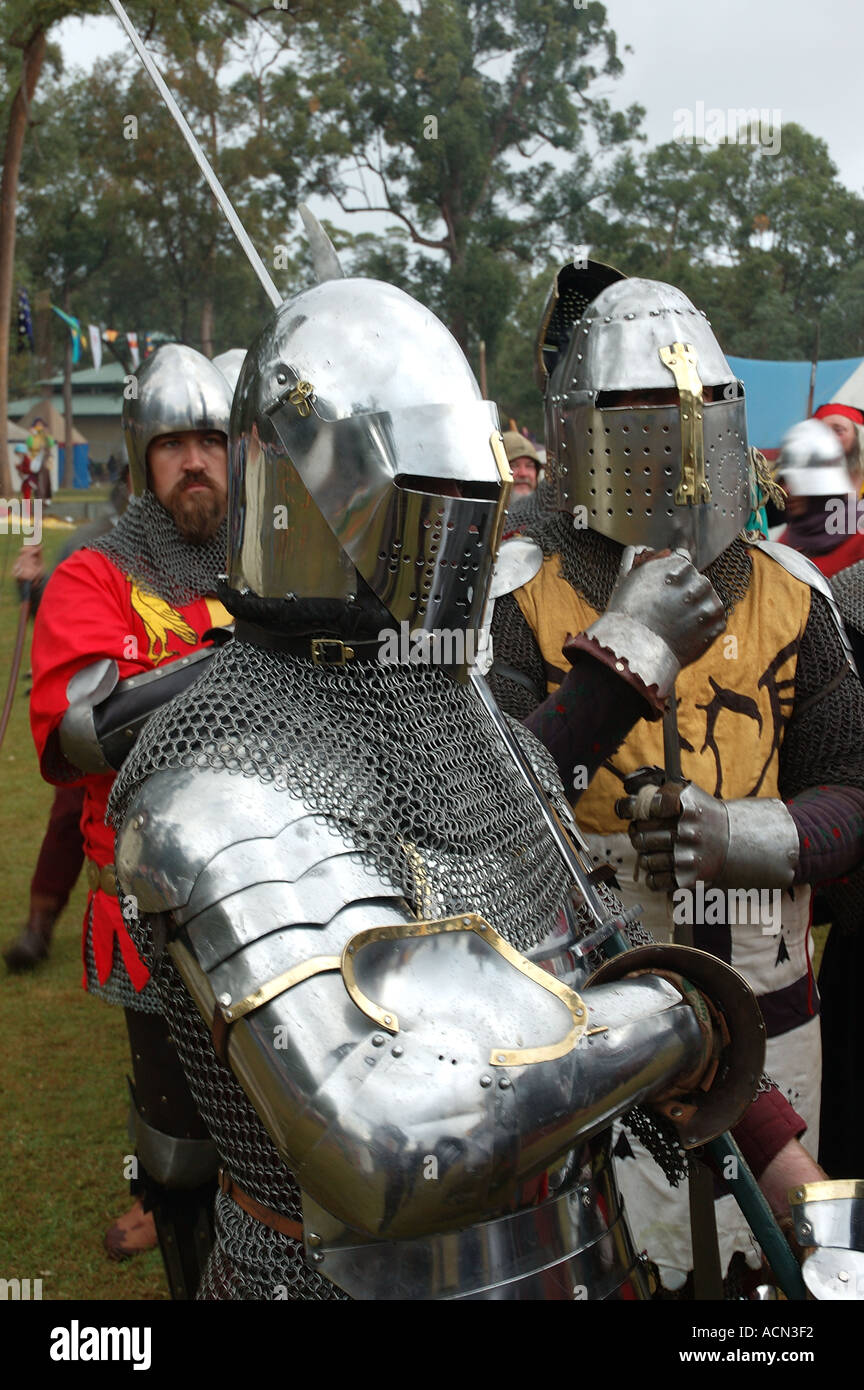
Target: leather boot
x: 33, y: 944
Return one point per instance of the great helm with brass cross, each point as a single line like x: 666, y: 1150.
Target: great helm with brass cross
x: 646, y: 424
x: 364, y: 461
x: 175, y: 389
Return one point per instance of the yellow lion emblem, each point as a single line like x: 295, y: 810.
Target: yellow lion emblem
x: 159, y: 619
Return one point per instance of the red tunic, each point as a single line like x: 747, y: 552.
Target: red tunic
x: 848, y: 552
x: 90, y: 610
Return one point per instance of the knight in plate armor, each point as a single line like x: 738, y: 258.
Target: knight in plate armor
x: 752, y: 789
x: 362, y: 933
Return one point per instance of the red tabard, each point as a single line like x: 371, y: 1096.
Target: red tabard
x: 848, y: 552
x: 90, y: 610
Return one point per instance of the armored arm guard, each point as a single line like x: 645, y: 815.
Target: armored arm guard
x: 370, y: 1042
x: 106, y: 715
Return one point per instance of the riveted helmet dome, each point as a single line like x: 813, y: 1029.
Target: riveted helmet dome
x: 360, y: 445
x: 812, y: 462
x: 646, y: 426
x: 176, y: 389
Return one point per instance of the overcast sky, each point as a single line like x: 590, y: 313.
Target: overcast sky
x: 794, y: 56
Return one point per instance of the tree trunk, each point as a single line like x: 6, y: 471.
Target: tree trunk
x: 33, y: 56
x: 69, y: 447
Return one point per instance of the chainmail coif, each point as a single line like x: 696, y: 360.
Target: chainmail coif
x: 146, y: 544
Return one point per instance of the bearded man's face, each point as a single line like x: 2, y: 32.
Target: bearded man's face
x: 189, y: 476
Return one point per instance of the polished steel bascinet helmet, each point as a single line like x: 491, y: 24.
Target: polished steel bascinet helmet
x: 175, y: 389
x: 360, y: 445
x: 646, y: 426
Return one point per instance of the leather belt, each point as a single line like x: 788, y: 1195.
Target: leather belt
x: 322, y: 650
x: 274, y: 1219
x: 101, y: 876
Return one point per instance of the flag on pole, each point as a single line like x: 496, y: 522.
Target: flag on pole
x: 75, y: 330
x: 25, y: 323
x: 96, y: 344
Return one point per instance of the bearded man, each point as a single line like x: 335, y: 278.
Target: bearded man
x: 121, y: 628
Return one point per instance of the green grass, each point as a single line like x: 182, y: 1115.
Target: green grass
x: 99, y: 492
x: 63, y: 1096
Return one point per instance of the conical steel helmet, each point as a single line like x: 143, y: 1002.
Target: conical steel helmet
x: 175, y: 389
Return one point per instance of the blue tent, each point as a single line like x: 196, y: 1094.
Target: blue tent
x: 777, y: 393
x: 81, y: 461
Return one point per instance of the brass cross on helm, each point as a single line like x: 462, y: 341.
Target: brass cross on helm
x: 681, y: 360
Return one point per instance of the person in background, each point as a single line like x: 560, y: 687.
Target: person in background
x: 847, y: 422
x: 39, y: 446
x: 25, y: 472
x: 821, y: 497
x: 62, y: 852
x: 525, y: 463
x: 140, y: 601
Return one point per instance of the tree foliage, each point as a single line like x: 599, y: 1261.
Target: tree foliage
x: 483, y: 140
x: 440, y: 114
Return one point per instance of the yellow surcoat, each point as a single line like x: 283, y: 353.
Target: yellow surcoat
x: 733, y: 703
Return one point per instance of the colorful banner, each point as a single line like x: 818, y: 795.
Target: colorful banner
x: 25, y: 323
x: 95, y: 333
x: 75, y: 329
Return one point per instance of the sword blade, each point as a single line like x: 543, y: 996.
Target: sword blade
x: 563, y: 842
x: 200, y: 157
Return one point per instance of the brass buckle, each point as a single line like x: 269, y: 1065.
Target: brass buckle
x: 324, y: 655
x: 101, y: 877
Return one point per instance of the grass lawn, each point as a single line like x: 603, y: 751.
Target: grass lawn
x: 63, y: 1096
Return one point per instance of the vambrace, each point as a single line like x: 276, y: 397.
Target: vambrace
x: 370, y: 1042
x: 685, y: 836
x: 105, y: 715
